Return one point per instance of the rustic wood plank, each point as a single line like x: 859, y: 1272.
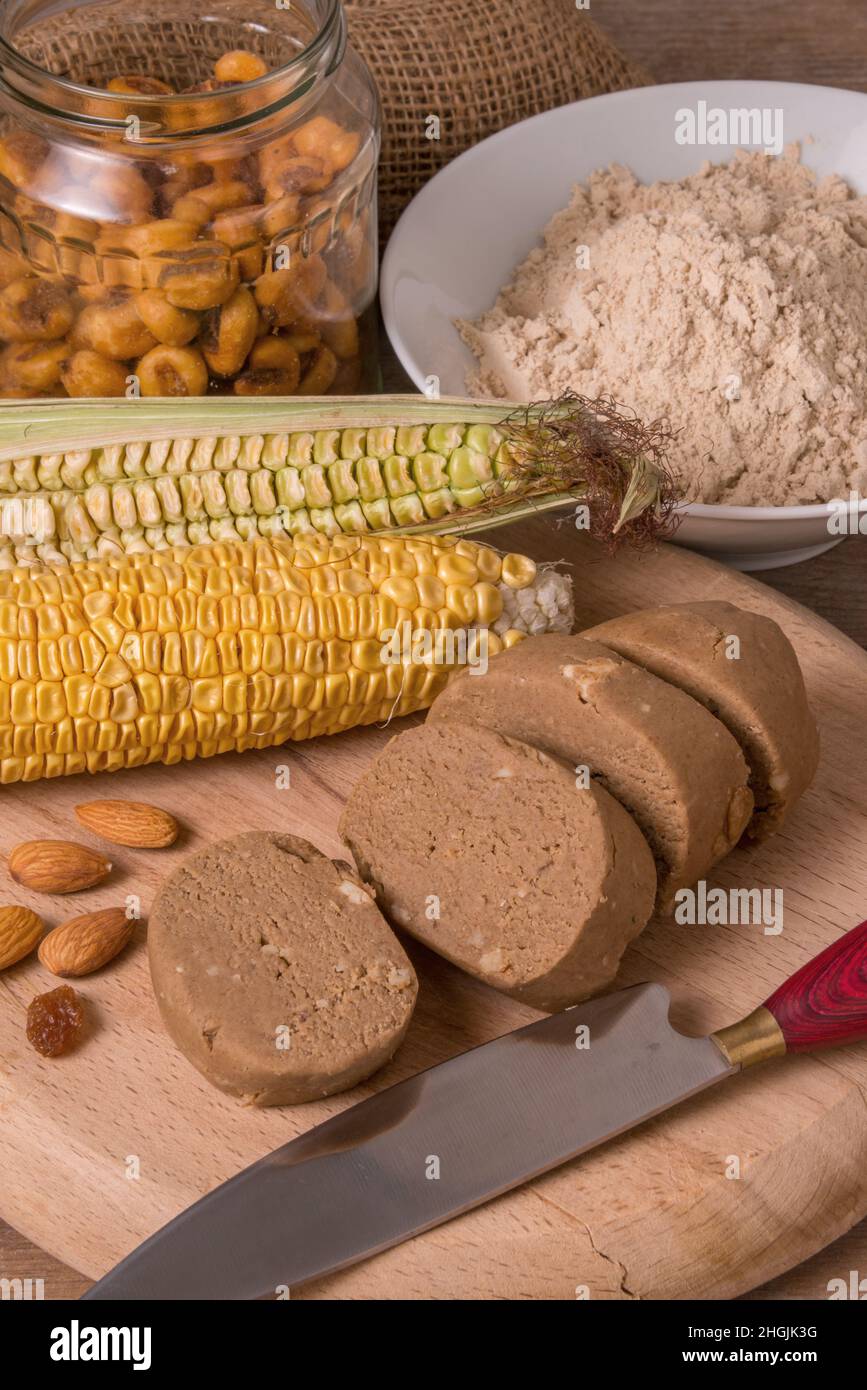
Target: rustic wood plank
x: 781, y: 40
x: 631, y: 1219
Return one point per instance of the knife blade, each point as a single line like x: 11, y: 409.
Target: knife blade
x: 473, y: 1127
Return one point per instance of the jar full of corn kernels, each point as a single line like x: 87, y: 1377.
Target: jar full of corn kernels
x: 187, y: 200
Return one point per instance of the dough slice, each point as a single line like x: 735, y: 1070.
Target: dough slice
x: 261, y: 940
x: 674, y: 766
x: 488, y: 851
x: 758, y: 693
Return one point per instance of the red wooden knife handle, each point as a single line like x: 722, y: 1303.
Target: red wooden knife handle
x: 824, y: 1004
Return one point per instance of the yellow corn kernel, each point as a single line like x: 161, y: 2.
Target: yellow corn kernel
x: 367, y: 655
x: 50, y: 702
x: 124, y: 704
x: 489, y: 604
x: 518, y: 571
x: 453, y: 568
x: 23, y: 703
x: 251, y: 651
x: 401, y: 591
x: 112, y: 672
x: 272, y: 654
x: 461, y: 600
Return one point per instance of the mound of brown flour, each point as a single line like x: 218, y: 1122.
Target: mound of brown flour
x: 733, y: 303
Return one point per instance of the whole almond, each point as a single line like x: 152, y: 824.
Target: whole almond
x: 86, y: 943
x: 20, y: 929
x: 57, y: 866
x: 132, y: 823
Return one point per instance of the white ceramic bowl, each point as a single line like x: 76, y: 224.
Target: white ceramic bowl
x: 464, y: 234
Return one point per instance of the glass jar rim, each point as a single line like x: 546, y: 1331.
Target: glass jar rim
x: 97, y: 108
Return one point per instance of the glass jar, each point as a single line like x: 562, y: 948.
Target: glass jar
x: 187, y: 199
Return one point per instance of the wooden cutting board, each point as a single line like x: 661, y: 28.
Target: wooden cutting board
x: 100, y: 1148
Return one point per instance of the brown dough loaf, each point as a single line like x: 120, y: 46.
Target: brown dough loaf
x: 259, y: 934
x: 488, y: 851
x: 675, y: 767
x: 760, y: 696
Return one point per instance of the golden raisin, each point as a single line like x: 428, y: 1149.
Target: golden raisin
x: 54, y: 1021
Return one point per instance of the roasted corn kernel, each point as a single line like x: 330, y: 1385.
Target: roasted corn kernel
x: 21, y: 156
x: 239, y: 66
x: 273, y: 352
x: 327, y: 140
x: 88, y: 373
x: 201, y: 205
x: 172, y: 371
x: 266, y: 381
x: 140, y: 86
x: 35, y: 310
x: 113, y: 329
x: 229, y: 332
x: 176, y: 327
x: 149, y: 239
x: 319, y: 376
x: 200, y: 277
x: 32, y: 366
x: 288, y: 296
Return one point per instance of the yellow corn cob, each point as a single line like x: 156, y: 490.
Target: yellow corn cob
x: 132, y: 481
x: 191, y: 652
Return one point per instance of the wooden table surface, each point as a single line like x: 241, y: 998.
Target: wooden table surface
x: 682, y: 40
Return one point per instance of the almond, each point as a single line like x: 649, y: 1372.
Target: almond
x: 132, y: 823
x: 57, y: 866
x: 20, y: 929
x: 86, y: 943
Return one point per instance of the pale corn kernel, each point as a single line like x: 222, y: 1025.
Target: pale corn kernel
x: 401, y: 591
x: 456, y: 569
x: 489, y: 603
x: 367, y: 655
x: 461, y: 600
x: 518, y: 571
x: 338, y: 656
x: 113, y: 671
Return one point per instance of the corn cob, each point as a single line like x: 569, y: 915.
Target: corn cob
x: 192, y: 652
x: 139, y: 480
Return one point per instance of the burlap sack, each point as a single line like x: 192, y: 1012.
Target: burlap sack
x: 477, y: 66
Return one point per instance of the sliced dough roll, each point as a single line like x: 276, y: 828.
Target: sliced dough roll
x: 754, y: 686
x: 488, y: 851
x: 670, y: 763
x: 274, y: 971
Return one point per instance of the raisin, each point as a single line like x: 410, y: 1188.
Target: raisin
x: 54, y: 1021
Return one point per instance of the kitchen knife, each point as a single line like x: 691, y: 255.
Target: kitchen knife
x: 452, y: 1137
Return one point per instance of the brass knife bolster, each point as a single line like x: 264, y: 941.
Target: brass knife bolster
x: 754, y: 1039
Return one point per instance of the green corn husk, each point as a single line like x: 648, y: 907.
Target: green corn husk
x: 84, y: 479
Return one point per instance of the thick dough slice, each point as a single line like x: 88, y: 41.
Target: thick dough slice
x: 274, y: 971
x: 488, y: 851
x: 758, y: 693
x: 670, y: 763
